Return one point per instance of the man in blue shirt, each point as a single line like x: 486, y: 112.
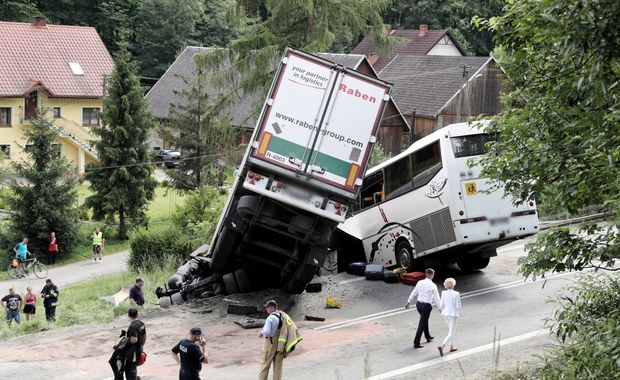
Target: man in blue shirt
x: 136, y: 296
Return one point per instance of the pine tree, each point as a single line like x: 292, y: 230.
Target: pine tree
x: 44, y: 195
x: 123, y: 182
x: 206, y: 141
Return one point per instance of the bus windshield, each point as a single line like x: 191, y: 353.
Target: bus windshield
x: 471, y: 145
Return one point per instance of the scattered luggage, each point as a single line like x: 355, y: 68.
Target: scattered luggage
x: 357, y: 268
x: 412, y: 278
x: 390, y: 277
x: 374, y: 272
x: 314, y: 287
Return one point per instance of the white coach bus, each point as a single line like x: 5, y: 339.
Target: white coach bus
x: 428, y: 206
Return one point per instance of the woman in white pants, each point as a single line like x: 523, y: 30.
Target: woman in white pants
x: 449, y: 304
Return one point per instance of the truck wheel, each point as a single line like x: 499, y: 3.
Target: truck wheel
x: 242, y: 280
x: 177, y: 299
x: 164, y: 302
x: 302, y: 277
x: 469, y: 264
x: 225, y: 243
x: 247, y: 206
x: 300, y: 224
x: 230, y: 283
x: 404, y: 256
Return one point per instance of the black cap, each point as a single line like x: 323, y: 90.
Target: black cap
x: 271, y: 303
x: 195, y: 331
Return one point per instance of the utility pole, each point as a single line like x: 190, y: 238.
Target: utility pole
x: 462, y: 92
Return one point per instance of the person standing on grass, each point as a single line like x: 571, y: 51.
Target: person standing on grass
x: 50, y: 294
x: 136, y: 296
x: 12, y: 304
x: 449, y: 304
x: 52, y: 250
x: 98, y: 244
x: 426, y: 292
x: 30, y: 304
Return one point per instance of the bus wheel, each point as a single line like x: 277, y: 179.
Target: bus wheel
x: 404, y: 255
x: 468, y: 264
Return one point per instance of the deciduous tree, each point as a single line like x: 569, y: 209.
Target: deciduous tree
x: 560, y: 131
x: 122, y: 181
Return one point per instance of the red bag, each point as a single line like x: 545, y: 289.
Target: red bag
x: 142, y: 358
x: 412, y: 278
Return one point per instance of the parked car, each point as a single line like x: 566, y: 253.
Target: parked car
x: 170, y: 158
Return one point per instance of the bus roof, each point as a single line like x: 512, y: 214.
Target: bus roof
x: 458, y: 129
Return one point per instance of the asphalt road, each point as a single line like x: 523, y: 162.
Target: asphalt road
x: 71, y: 274
x: 501, y: 327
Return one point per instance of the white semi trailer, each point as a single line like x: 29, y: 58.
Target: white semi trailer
x: 300, y: 175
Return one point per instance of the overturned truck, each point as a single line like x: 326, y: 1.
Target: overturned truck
x: 301, y: 172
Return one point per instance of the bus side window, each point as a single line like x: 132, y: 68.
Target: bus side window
x: 372, y: 190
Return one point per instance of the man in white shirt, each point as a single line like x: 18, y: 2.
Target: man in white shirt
x: 426, y: 291
x: 271, y: 333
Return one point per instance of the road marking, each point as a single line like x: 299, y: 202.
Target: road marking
x: 393, y: 312
x: 455, y: 356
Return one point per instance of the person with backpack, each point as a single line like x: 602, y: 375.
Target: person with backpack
x: 281, y: 336
x: 132, y: 350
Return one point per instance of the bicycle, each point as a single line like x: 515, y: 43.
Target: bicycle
x: 19, y: 271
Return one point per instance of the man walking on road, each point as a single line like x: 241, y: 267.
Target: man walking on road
x: 192, y: 355
x: 50, y: 294
x: 426, y: 292
x: 98, y: 244
x: 12, y: 304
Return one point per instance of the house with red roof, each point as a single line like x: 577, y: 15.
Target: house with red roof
x: 411, y: 42
x: 59, y: 68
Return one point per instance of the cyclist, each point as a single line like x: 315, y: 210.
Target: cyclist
x: 21, y: 254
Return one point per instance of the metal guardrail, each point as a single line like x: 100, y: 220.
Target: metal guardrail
x: 567, y: 222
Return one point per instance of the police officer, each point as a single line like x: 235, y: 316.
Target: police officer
x: 192, y: 352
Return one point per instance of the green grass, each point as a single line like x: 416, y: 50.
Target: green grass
x: 77, y: 303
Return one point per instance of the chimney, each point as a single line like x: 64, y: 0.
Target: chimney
x: 372, y: 58
x: 39, y: 21
x: 423, y: 30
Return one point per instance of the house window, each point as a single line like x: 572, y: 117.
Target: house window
x: 5, y: 150
x: 90, y: 117
x: 56, y: 112
x: 5, y: 117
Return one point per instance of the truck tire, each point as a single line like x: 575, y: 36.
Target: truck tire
x: 230, y: 283
x: 404, y: 256
x: 247, y: 206
x: 303, y: 275
x: 164, y: 302
x: 300, y: 224
x: 469, y: 264
x: 223, y: 248
x: 177, y: 299
x: 242, y: 281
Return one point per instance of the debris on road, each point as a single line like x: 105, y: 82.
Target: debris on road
x: 331, y: 303
x: 311, y: 318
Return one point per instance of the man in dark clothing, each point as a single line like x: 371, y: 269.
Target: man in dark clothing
x: 136, y: 297
x: 192, y: 355
x: 136, y: 333
x: 50, y: 294
x: 12, y: 304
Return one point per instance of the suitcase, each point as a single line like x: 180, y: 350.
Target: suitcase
x: 358, y: 268
x: 390, y: 277
x: 412, y: 278
x: 374, y: 272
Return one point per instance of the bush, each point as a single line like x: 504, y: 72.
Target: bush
x: 157, y: 247
x: 84, y: 212
x: 588, y: 322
